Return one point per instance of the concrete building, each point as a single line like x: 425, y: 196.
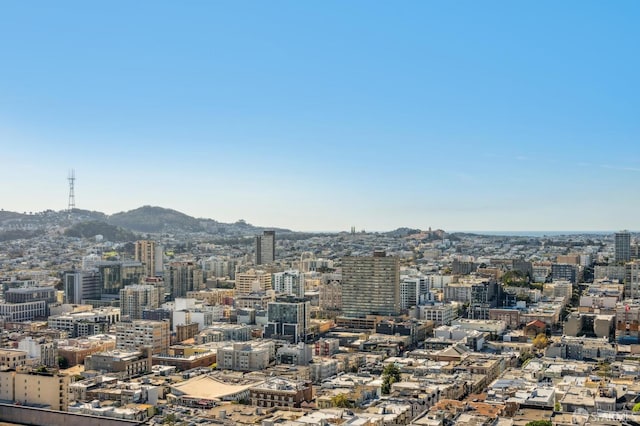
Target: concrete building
x: 300, y: 354
x: 134, y: 299
x: 133, y: 335
x: 85, y: 323
x: 12, y: 358
x: 326, y: 347
x: 279, y: 392
x: 323, y: 368
x: 288, y: 318
x: 371, y: 285
x: 45, y: 388
x: 129, y: 362
x: 41, y: 350
x: 253, y: 281
x: 74, y: 351
x: 558, y: 288
x: 632, y: 280
x: 266, y: 248
x: 330, y: 297
x: 414, y: 291
x: 440, y: 314
x: 582, y: 348
x: 182, y: 277
x: 622, y: 241
x: 17, y: 312
x: 226, y: 332
x: 253, y: 356
x: 564, y: 272
x: 30, y: 294
x: 145, y: 252
x: 289, y: 282
x: 590, y: 325
x: 213, y: 296
x: 81, y: 285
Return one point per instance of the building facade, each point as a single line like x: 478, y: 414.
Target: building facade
x: 371, y: 285
x: 266, y: 248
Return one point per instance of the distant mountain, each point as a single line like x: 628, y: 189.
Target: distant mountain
x: 146, y: 219
x: 156, y: 219
x: 92, y: 228
x: 402, y: 232
x: 9, y: 216
x: 19, y: 234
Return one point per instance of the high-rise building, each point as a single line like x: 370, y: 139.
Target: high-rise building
x: 181, y: 277
x: 414, y: 291
x: 288, y: 317
x: 371, y: 285
x: 134, y: 299
x: 151, y: 255
x: 622, y: 246
x: 289, y: 282
x: 266, y: 248
x: 116, y: 275
x: 81, y: 285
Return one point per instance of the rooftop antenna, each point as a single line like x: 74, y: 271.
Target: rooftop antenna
x: 72, y: 195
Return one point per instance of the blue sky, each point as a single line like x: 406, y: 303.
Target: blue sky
x: 466, y: 115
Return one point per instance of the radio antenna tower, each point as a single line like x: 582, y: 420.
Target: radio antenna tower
x: 72, y: 195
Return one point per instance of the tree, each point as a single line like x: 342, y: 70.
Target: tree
x: 62, y: 362
x: 636, y: 408
x: 390, y: 375
x: 604, y: 369
x: 540, y: 423
x: 340, y: 401
x: 541, y: 341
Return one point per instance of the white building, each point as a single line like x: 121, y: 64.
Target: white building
x: 289, y: 282
x: 253, y: 356
x: 440, y: 314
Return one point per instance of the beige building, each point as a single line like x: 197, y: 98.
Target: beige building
x: 129, y: 362
x: 246, y: 356
x: 145, y: 252
x: 214, y: 296
x: 35, y: 387
x: 133, y: 335
x: 12, y: 358
x: 252, y: 281
x: 136, y: 298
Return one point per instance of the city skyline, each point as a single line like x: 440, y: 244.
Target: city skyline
x: 486, y: 117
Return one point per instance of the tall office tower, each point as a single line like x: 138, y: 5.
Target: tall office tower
x: 288, y: 317
x: 266, y: 247
x: 117, y: 275
x: 145, y: 252
x: 623, y: 246
x: 134, y: 299
x: 371, y: 285
x: 289, y: 282
x: 81, y: 285
x: 159, y: 260
x: 133, y: 335
x: 181, y: 277
x: 252, y: 281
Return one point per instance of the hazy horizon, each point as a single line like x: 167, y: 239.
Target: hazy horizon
x: 472, y: 115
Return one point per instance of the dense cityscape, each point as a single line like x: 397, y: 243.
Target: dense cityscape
x: 154, y: 317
